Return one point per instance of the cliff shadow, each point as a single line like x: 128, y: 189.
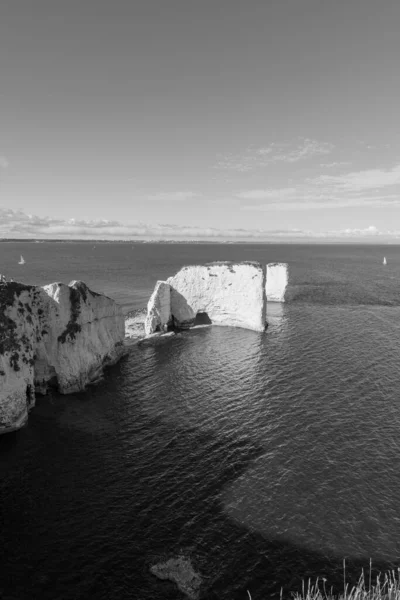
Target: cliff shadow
x: 182, y: 314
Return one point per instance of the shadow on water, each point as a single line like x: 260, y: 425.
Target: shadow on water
x: 100, y: 485
x: 83, y: 514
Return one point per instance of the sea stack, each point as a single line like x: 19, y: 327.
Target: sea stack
x: 60, y: 336
x: 224, y: 293
x: 277, y: 280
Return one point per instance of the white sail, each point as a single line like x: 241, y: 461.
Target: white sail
x: 21, y: 260
x: 384, y: 260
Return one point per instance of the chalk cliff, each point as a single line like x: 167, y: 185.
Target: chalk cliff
x: 158, y: 316
x: 277, y: 280
x: 58, y: 335
x: 19, y: 333
x: 228, y: 293
x: 86, y: 332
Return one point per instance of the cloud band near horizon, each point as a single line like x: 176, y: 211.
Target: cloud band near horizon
x: 18, y: 224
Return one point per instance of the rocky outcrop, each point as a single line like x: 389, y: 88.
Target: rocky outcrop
x: 277, y: 280
x: 224, y: 293
x: 180, y: 570
x: 59, y: 336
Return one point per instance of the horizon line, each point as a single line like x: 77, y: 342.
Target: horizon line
x: 310, y: 241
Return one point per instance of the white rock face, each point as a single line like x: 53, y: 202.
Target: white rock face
x: 87, y: 333
x: 277, y: 279
x: 158, y: 309
x: 60, y: 335
x: 231, y: 294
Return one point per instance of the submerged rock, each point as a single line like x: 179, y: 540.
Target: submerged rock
x: 225, y: 293
x: 179, y: 570
x: 58, y: 335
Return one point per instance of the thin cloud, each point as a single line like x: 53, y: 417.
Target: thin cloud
x: 323, y: 202
x: 371, y: 230
x: 18, y: 224
x: 174, y: 196
x: 332, y: 165
x: 307, y: 149
x: 258, y: 158
x: 358, y: 181
x: 274, y: 194
x: 371, y: 187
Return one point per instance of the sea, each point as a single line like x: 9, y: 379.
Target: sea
x: 269, y: 459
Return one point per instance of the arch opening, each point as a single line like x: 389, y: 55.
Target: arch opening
x: 202, y: 318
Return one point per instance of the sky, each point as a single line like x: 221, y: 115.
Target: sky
x: 212, y: 119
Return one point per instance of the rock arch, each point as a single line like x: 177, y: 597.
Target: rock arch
x: 230, y: 293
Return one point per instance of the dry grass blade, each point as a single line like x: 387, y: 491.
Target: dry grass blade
x: 387, y: 588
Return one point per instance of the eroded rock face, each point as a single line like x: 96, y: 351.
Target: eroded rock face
x: 18, y: 334
x: 277, y: 280
x: 158, y: 315
x: 231, y: 294
x: 57, y: 335
x: 86, y: 333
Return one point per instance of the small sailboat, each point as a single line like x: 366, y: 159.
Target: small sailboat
x: 21, y: 260
x: 384, y: 260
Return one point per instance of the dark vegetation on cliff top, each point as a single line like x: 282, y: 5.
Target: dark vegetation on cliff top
x: 10, y: 292
x: 77, y: 291
x: 9, y: 341
x: 84, y: 290
x: 227, y: 263
x: 73, y: 326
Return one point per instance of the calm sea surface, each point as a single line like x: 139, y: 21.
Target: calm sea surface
x: 266, y: 458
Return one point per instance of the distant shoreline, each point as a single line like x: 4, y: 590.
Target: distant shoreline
x: 253, y: 242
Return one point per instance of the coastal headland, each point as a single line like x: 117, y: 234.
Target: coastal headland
x: 62, y: 336
x: 58, y: 336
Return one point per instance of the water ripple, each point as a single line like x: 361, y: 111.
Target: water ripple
x: 265, y: 457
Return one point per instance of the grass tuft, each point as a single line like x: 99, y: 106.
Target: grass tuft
x: 386, y: 587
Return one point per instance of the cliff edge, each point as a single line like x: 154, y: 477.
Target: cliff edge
x: 60, y: 336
